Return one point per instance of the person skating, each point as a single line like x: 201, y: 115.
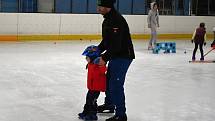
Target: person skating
x: 153, y: 24
x: 118, y: 51
x: 199, y: 38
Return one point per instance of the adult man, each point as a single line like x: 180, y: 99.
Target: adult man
x: 118, y: 51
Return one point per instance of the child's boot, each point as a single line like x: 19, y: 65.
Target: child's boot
x: 82, y: 115
x: 85, y: 112
x: 91, y: 117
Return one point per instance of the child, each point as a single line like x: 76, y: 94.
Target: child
x: 153, y: 24
x: 96, y: 82
x: 199, y: 38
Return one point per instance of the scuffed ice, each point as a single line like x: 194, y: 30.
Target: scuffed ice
x: 43, y: 81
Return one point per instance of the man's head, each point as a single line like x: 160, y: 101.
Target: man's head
x: 104, y: 6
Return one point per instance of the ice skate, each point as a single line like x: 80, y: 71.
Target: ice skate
x: 106, y: 108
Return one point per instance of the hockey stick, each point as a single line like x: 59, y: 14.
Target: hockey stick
x: 209, y: 52
x: 206, y: 61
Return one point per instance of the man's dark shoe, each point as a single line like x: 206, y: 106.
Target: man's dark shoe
x: 117, y: 118
x: 106, y: 108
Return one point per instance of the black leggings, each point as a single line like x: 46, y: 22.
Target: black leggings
x: 91, y: 102
x: 200, y: 48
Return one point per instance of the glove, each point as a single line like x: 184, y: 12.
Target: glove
x: 205, y: 43
x: 192, y: 40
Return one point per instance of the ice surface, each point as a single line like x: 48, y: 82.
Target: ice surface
x: 44, y: 81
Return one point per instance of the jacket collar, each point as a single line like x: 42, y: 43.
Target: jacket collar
x: 110, y: 13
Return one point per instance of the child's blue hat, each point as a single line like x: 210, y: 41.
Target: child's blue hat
x: 92, y: 52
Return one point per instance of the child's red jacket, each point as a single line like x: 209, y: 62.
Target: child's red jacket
x: 96, y: 77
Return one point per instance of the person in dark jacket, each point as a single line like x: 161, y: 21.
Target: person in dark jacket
x: 199, y: 38
x: 117, y: 49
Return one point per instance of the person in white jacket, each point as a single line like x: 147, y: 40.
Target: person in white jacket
x: 153, y: 24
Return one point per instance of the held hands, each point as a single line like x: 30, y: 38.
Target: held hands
x: 98, y: 61
x: 192, y: 41
x: 149, y: 25
x: 101, y: 61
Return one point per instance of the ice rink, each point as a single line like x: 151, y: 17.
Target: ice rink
x: 44, y: 81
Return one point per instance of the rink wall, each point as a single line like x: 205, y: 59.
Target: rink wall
x: 42, y: 26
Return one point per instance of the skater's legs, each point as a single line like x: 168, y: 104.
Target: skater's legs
x: 107, y: 92
x: 153, y: 39
x: 91, y: 101
x: 201, y: 51
x: 90, y: 108
x: 194, y: 51
x: 118, y: 69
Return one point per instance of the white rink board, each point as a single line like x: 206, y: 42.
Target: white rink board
x: 44, y: 23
